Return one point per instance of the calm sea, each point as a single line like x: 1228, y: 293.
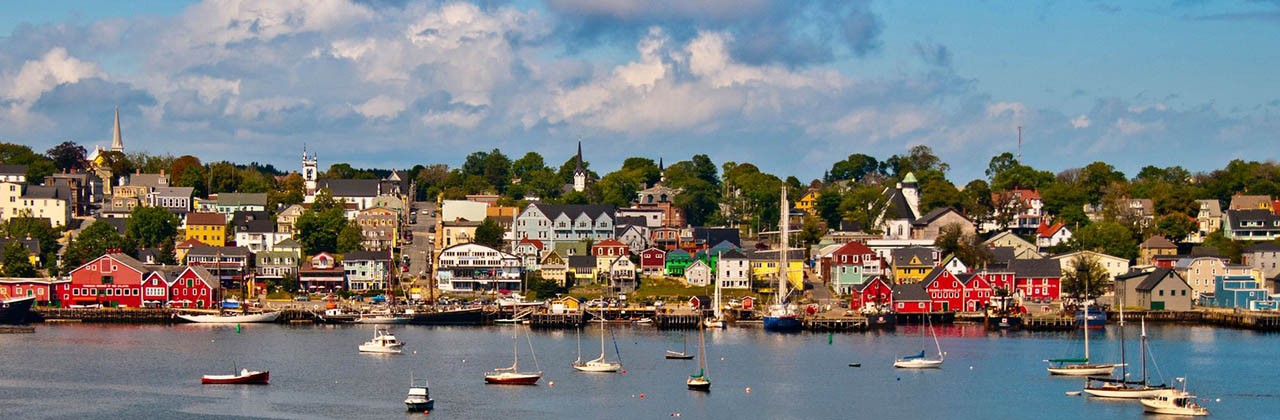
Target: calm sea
x: 109, y: 371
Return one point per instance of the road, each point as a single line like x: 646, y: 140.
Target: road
x: 818, y: 290
x: 419, y: 252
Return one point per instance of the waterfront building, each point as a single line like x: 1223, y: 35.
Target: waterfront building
x: 1038, y: 280
x: 43, y: 289
x: 698, y: 274
x: 112, y: 279
x: 977, y: 292
x: 676, y: 262
x: 554, y: 267
x: 874, y: 294
x: 653, y: 262
x: 321, y: 274
x: 582, y: 269
x: 622, y: 275
x: 1263, y: 257
x: 1115, y: 266
x: 911, y: 298
x: 764, y: 266
x: 230, y: 264
x: 367, y: 270
x: 186, y: 287
x: 1201, y: 272
x: 1158, y: 289
x: 912, y: 264
x: 1242, y: 292
x: 733, y: 270
x: 208, y: 228
x: 945, y: 290
x: 851, y: 265
x: 473, y: 267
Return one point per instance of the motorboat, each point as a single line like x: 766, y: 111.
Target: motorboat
x: 246, y: 377
x: 419, y: 398
x: 382, y: 342
x: 1176, y: 402
x: 16, y: 311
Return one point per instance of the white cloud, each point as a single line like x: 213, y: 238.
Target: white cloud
x: 459, y: 118
x: 1081, y: 121
x: 36, y: 77
x: 380, y: 106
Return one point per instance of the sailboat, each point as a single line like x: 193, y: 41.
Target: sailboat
x: 782, y: 317
x: 1106, y: 387
x: 717, y: 321
x: 683, y: 354
x: 1081, y: 366
x: 599, y: 364
x: 699, y: 381
x: 512, y: 375
x: 920, y: 361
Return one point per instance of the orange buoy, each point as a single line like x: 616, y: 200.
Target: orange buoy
x: 748, y: 390
x: 551, y: 384
x: 642, y: 395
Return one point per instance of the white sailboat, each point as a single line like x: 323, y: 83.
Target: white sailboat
x: 1081, y: 366
x: 920, y: 361
x: 1123, y: 387
x: 717, y: 319
x: 699, y: 381
x: 512, y: 375
x: 599, y: 364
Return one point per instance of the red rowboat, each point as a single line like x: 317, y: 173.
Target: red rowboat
x: 246, y: 376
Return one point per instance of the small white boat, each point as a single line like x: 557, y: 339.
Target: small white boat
x: 599, y: 364
x: 382, y: 342
x: 383, y: 317
x: 919, y: 361
x: 713, y: 323
x: 419, y: 398
x: 231, y: 319
x: 1174, y: 401
x: 643, y: 321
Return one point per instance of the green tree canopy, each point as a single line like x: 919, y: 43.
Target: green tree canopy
x: 489, y: 234
x: 67, y: 156
x: 1107, y: 237
x: 1085, y: 278
x: 17, y: 260
x: 92, y: 242
x: 350, y: 238
x: 151, y: 227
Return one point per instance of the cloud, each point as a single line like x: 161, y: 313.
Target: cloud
x: 1081, y: 121
x: 20, y: 90
x: 934, y: 54
x: 380, y: 107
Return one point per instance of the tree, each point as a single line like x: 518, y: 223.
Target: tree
x: 854, y: 168
x: 17, y: 260
x: 1085, y: 278
x: 151, y: 227
x: 92, y: 242
x: 1107, y: 237
x: 350, y: 238
x: 39, y: 229
x: 489, y: 234
x: 180, y: 166
x: 318, y: 228
x: 828, y: 207
x: 527, y: 164
x: 193, y: 177
x: 863, y: 205
x: 919, y: 158
x: 1175, y: 226
x: 543, y: 289
x: 67, y: 156
x: 117, y: 162
x: 953, y: 240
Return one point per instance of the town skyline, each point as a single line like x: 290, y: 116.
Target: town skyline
x: 762, y: 82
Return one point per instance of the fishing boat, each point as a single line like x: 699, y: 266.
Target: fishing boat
x: 231, y: 318
x: 512, y: 375
x: 1106, y: 387
x: 16, y: 311
x: 245, y: 377
x: 683, y: 354
x: 699, y: 381
x: 782, y: 317
x: 919, y: 360
x: 599, y: 364
x: 383, y: 342
x: 1080, y: 366
x: 1091, y: 318
x: 1176, y: 402
x: 419, y: 398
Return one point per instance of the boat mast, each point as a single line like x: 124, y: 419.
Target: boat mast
x: 1085, y: 324
x: 716, y: 310
x: 1143, y: 353
x: 783, y: 247
x: 1124, y: 366
x: 602, y: 338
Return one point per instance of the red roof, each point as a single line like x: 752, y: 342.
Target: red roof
x: 205, y: 219
x: 1020, y: 194
x: 1046, y: 231
x: 536, y: 243
x: 190, y: 243
x: 610, y: 243
x: 853, y: 248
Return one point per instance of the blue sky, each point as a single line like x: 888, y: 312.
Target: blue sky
x: 790, y: 86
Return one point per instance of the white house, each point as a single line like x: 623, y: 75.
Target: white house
x: 697, y: 274
x: 733, y: 270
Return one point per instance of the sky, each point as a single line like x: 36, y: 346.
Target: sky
x: 791, y: 86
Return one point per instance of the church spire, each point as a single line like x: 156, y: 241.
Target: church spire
x: 117, y: 142
x: 578, y: 163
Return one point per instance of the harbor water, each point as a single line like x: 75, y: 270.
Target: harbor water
x: 153, y: 371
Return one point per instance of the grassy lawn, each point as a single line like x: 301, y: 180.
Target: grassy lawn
x: 668, y: 290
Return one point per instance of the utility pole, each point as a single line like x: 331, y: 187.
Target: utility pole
x: 1019, y: 144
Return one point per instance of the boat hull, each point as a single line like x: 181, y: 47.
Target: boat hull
x: 17, y: 311
x: 917, y: 364
x: 1175, y: 403
x: 376, y: 349
x: 381, y: 320
x: 513, y: 378
x: 1094, y: 319
x: 250, y: 378
x: 1083, y: 370
x: 782, y: 323
x: 472, y: 316
x: 425, y: 405
x: 698, y: 384
x: 678, y: 356
x: 264, y: 317
x: 885, y: 321
x: 597, y: 367
x: 1124, y: 393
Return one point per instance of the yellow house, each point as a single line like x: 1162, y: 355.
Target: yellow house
x: 210, y: 228
x: 913, y: 264
x: 809, y: 201
x: 764, y: 266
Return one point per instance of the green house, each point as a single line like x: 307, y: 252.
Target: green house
x: 676, y: 262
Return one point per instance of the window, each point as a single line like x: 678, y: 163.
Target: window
x: 108, y: 280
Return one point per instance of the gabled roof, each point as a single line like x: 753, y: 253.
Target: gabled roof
x: 1211, y: 208
x: 1157, y: 242
x: 148, y: 180
x: 204, y: 275
x: 868, y: 283
x: 1237, y: 218
x: 712, y: 235
x: 853, y: 248
x: 242, y: 199
x: 663, y: 252
x: 793, y: 255
x: 130, y: 262
x: 173, y: 191
x: 910, y: 292
x: 678, y: 253
x: 536, y: 243
x: 1263, y: 247
x: 630, y: 221
x: 32, y: 245
x: 256, y: 226
x: 609, y: 243
x: 897, y: 207
x: 733, y: 254
x: 1154, y: 279
x: 1037, y: 267
x: 934, y: 215
x: 41, y: 191
x: 13, y: 170
x: 190, y: 243
x: 288, y: 243
x: 582, y: 261
x: 1047, y: 231
x: 934, y: 274
x: 206, y: 219
x: 903, y: 256
x: 593, y: 211
x: 1249, y: 202
x: 350, y: 187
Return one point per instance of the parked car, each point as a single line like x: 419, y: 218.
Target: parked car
x: 303, y: 298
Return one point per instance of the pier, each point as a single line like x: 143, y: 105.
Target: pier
x: 1049, y: 323
x: 834, y: 324
x: 17, y: 329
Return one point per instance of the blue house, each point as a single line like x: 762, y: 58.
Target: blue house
x: 1240, y: 292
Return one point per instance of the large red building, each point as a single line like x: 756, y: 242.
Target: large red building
x: 977, y: 292
x: 41, y: 289
x: 945, y: 290
x: 1038, y: 280
x: 110, y: 280
x: 193, y: 287
x: 872, y: 294
x: 653, y: 261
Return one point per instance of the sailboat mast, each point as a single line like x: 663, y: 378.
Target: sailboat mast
x: 1085, y: 325
x: 1124, y: 366
x: 784, y: 246
x: 515, y: 351
x: 1143, y: 353
x: 602, y: 338
x: 716, y: 310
